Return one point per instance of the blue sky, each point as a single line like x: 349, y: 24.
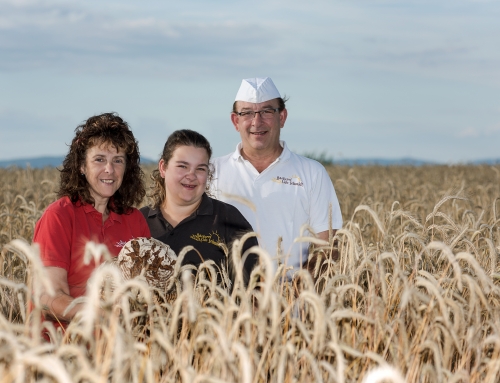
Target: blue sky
x: 384, y: 79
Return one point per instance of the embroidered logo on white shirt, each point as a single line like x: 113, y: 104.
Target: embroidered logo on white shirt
x: 294, y: 180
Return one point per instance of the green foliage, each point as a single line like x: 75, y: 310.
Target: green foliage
x: 323, y: 158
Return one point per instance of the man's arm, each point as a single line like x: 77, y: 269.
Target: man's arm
x: 55, y: 306
x: 321, y: 255
x: 324, y: 212
x: 325, y: 235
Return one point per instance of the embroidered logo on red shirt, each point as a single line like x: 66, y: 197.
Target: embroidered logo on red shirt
x: 122, y: 243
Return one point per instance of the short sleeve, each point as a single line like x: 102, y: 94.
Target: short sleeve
x: 53, y: 235
x: 236, y: 227
x: 322, y: 196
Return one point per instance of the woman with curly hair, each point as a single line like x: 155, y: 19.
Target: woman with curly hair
x: 101, y: 181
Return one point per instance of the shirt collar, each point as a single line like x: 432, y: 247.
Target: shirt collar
x: 206, y: 207
x: 89, y: 209
x: 285, y: 154
x: 153, y: 211
x: 237, y: 153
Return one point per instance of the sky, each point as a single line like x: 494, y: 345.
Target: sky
x: 365, y: 78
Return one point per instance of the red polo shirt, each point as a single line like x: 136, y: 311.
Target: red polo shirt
x: 65, y: 228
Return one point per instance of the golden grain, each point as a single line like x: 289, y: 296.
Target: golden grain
x: 416, y: 287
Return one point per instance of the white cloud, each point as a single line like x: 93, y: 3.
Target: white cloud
x: 469, y: 132
x: 492, y: 130
x: 25, y: 134
x: 488, y: 131
x: 375, y: 74
x: 186, y: 40
x: 64, y: 39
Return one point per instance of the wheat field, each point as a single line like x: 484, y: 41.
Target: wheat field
x: 413, y: 297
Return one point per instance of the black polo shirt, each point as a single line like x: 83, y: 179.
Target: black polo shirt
x: 212, y: 223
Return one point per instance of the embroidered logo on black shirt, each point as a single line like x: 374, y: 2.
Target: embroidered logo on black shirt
x: 213, y: 238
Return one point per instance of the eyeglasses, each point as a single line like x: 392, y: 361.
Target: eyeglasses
x: 265, y: 114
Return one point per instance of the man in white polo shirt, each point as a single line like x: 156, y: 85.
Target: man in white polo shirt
x: 287, y: 190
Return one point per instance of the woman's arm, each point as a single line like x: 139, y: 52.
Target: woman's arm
x: 55, y: 306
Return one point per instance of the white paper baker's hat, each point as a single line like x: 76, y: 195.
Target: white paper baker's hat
x: 257, y: 90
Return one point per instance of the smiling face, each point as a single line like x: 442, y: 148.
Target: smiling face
x: 259, y: 136
x: 104, y: 169
x: 185, y: 175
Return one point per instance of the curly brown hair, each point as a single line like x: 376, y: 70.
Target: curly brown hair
x: 183, y: 137
x: 103, y: 129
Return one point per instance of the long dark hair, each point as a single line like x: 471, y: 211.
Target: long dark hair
x: 104, y: 129
x: 184, y: 137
